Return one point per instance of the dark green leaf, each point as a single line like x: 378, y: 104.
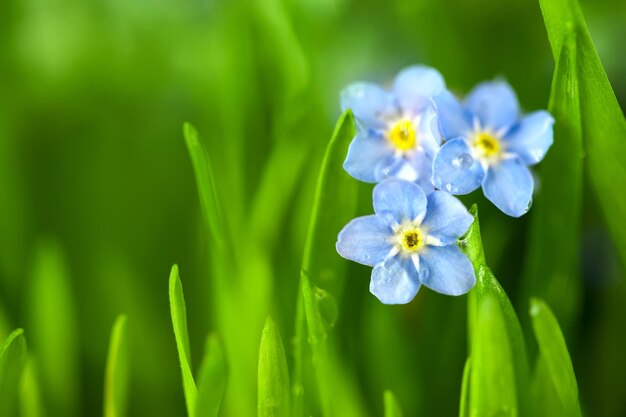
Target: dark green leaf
x: 212, y: 379
x: 12, y: 361
x: 116, y: 373
x: 178, y: 311
x: 551, y: 273
x: 602, y: 121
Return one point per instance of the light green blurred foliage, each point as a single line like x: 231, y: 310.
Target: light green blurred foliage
x: 93, y: 97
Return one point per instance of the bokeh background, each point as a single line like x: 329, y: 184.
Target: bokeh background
x: 96, y: 184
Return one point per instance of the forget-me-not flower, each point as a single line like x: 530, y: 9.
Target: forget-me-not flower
x: 410, y: 241
x: 397, y: 130
x: 489, y: 144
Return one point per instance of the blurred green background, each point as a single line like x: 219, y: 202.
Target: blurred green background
x: 96, y: 184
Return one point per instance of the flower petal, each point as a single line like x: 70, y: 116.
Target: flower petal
x: 531, y: 137
x: 446, y: 270
x: 509, y: 185
x: 428, y: 134
x: 395, y: 282
x: 365, y: 240
x: 422, y: 164
x: 399, y: 200
x: 454, y: 120
x: 415, y: 86
x: 446, y: 219
x: 372, y: 106
x: 394, y: 166
x: 365, y: 153
x: 495, y: 105
x: 455, y: 170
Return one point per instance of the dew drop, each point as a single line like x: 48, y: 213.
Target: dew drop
x: 464, y: 161
x: 530, y: 204
x: 448, y: 187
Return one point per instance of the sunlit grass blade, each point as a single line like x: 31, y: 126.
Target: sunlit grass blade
x: 53, y: 329
x: 116, y: 372
x: 499, y: 380
x: 465, y: 387
x: 273, y: 375
x: 392, y: 408
x: 31, y: 401
x: 550, y: 273
x: 178, y: 311
x: 555, y: 355
x: 602, y: 120
x: 211, y: 379
x: 205, y: 183
x: 12, y: 361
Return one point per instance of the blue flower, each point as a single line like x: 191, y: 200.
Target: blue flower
x: 410, y: 241
x: 489, y: 145
x: 397, y: 130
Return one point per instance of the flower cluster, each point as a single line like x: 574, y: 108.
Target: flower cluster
x: 421, y: 145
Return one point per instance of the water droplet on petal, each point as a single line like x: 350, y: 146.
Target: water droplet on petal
x: 530, y: 203
x: 448, y: 187
x: 463, y: 161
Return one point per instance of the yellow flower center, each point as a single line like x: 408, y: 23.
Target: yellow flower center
x: 486, y: 144
x: 403, y: 135
x: 412, y: 239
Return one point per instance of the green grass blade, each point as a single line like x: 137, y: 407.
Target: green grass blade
x: 31, y: 401
x: 273, y: 382
x: 334, y: 205
x: 551, y: 273
x: 499, y: 381
x: 553, y: 351
x: 392, y: 408
x: 53, y: 329
x: 116, y: 373
x: 212, y: 379
x: 493, y: 385
x: 603, y: 123
x: 465, y: 387
x: 179, y: 322
x: 205, y: 183
x: 12, y: 361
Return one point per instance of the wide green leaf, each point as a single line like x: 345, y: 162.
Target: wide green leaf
x: 116, y: 373
x: 392, y: 408
x: 602, y: 120
x: 53, y: 329
x: 554, y: 353
x: 12, y: 361
x: 550, y: 273
x: 499, y: 378
x: 211, y: 379
x: 178, y: 311
x: 273, y: 378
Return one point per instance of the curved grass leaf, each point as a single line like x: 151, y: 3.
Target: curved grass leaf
x: 602, y: 120
x: 12, y: 361
x: 555, y: 356
x: 550, y: 273
x: 212, y: 379
x: 205, y: 182
x: 273, y: 377
x: 334, y: 205
x: 392, y: 408
x: 116, y: 373
x: 179, y: 322
x: 53, y: 329
x: 499, y: 378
